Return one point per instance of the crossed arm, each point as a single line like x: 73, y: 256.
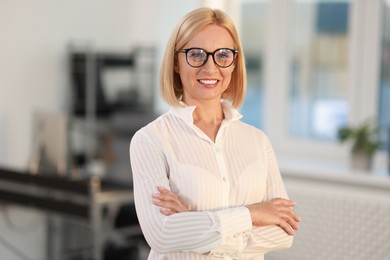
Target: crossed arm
x: 221, y: 232
x: 274, y: 212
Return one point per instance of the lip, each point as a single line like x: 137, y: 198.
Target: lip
x: 208, y: 83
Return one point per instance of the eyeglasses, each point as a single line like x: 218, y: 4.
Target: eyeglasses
x: 197, y: 57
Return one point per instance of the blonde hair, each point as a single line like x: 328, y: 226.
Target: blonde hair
x: 170, y: 84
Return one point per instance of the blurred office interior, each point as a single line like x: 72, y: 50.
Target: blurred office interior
x: 78, y: 78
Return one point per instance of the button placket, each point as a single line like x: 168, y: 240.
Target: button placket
x: 223, y: 174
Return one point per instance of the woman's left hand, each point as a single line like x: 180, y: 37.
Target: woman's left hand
x: 168, y: 202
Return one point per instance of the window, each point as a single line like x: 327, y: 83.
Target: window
x: 313, y: 66
x: 253, y: 35
x: 384, y: 92
x: 318, y: 67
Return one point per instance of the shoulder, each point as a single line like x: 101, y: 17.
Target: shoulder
x: 248, y: 129
x: 250, y: 135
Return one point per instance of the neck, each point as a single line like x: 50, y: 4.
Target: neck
x: 208, y: 117
x: 210, y: 113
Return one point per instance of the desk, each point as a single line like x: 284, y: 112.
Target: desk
x: 81, y: 200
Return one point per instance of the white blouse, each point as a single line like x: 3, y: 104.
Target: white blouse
x: 214, y: 180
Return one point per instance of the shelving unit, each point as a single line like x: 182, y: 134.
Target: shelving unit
x: 112, y: 96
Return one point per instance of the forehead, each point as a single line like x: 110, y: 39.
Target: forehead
x: 211, y: 38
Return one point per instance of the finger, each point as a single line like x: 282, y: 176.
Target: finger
x: 161, y: 189
x: 289, y: 216
x: 294, y: 225
x: 287, y: 228
x: 157, y: 202
x: 283, y: 202
x: 295, y: 216
x: 169, y: 200
x: 163, y: 196
x: 173, y: 206
x: 166, y: 194
x: 166, y: 212
x: 290, y: 212
x: 164, y: 204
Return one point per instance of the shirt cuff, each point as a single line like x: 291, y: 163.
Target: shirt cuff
x: 235, y: 224
x: 234, y: 220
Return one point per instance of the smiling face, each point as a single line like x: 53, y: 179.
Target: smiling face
x: 208, y: 82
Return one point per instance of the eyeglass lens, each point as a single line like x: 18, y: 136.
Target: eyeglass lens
x: 222, y: 57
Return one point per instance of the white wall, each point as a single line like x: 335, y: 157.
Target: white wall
x: 344, y: 216
x: 33, y: 70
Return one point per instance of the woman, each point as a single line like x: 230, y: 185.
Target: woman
x: 206, y: 185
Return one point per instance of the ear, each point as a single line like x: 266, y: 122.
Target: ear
x: 176, y: 66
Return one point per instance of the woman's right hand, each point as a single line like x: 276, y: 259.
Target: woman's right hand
x: 275, y: 212
x: 168, y: 202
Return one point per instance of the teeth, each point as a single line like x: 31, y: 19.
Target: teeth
x: 208, y: 82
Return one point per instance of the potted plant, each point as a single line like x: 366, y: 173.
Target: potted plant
x: 364, y: 141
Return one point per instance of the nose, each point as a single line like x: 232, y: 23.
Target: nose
x: 210, y: 66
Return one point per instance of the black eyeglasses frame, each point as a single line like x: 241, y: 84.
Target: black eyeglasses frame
x: 209, y: 54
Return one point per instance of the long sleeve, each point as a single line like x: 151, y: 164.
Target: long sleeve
x: 197, y: 232
x: 271, y: 238
x: 268, y: 238
x: 214, y: 180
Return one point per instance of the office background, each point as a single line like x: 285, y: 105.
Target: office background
x: 313, y: 67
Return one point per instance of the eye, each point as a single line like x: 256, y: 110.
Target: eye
x: 223, y: 54
x: 195, y: 54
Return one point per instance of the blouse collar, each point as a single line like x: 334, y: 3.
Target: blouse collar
x: 185, y: 112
